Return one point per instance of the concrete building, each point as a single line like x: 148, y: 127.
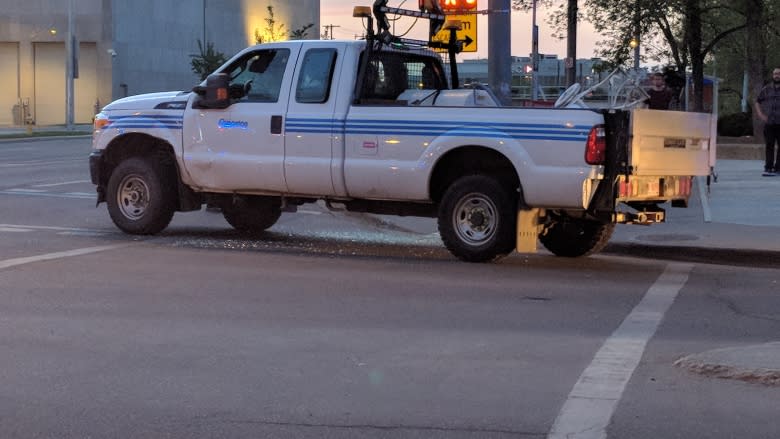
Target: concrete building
x: 124, y: 47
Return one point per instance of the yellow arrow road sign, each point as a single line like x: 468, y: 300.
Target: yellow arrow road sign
x: 467, y: 34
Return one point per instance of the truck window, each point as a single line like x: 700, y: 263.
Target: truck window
x: 390, y: 73
x: 315, y: 77
x: 261, y: 74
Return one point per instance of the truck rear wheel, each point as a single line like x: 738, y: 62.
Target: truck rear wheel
x: 140, y: 197
x: 476, y: 219
x: 573, y: 237
x: 252, y: 215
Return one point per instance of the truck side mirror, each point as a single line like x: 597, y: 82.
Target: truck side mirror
x: 216, y: 92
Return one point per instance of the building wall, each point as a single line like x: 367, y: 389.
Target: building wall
x: 154, y: 48
x: 9, y: 84
x: 126, y: 47
x: 38, y: 29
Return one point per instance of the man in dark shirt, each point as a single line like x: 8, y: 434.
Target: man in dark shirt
x: 768, y: 110
x: 660, y: 96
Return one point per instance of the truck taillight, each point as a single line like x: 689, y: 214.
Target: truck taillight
x: 595, y: 149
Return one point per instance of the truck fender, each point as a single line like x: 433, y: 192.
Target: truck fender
x: 457, y: 153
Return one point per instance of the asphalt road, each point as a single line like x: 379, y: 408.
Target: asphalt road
x: 335, y: 326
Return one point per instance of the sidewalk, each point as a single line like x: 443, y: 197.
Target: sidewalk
x: 43, y: 132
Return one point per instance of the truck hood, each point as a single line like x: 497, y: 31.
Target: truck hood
x: 149, y: 101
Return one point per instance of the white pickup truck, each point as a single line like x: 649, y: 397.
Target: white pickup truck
x: 374, y: 128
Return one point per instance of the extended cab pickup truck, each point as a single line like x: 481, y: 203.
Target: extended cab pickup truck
x: 374, y: 128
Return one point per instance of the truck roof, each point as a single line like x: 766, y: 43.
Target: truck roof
x: 355, y: 43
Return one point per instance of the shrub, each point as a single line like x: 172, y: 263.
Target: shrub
x: 735, y: 125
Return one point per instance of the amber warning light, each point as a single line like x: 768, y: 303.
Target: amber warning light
x: 458, y: 5
x: 448, y: 5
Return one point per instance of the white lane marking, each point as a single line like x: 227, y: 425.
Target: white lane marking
x: 14, y: 229
x: 39, y: 163
x: 55, y: 228
x: 62, y: 231
x: 40, y: 193
x: 309, y: 212
x: 61, y: 184
x: 58, y: 255
x: 25, y: 191
x: 591, y: 403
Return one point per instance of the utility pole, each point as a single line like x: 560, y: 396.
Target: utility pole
x: 70, y: 68
x: 637, y: 34
x: 329, y: 31
x: 499, y: 50
x: 534, y: 56
x: 571, y: 43
x: 204, y: 23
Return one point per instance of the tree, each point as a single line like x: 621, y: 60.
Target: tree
x: 208, y: 60
x: 274, y: 31
x: 302, y: 33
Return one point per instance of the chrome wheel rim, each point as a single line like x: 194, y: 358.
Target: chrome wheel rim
x: 475, y: 219
x: 133, y: 197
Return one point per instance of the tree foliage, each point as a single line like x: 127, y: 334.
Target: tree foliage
x: 275, y: 31
x: 207, y: 60
x: 302, y: 33
x: 678, y: 33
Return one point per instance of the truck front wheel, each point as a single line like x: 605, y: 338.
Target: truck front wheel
x: 252, y: 215
x: 573, y: 237
x: 140, y: 197
x: 476, y: 219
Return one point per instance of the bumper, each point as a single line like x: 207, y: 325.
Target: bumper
x: 95, y: 174
x: 95, y: 165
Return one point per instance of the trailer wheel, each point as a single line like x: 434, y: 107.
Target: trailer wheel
x: 476, y: 219
x: 572, y: 237
x: 140, y: 197
x: 252, y: 215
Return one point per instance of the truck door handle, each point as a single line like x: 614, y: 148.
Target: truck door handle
x: 276, y: 124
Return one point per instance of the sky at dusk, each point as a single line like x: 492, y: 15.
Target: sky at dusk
x: 339, y: 12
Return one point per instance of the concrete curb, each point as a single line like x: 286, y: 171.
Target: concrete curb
x: 737, y: 151
x: 703, y: 255
x: 754, y: 364
x: 43, y: 138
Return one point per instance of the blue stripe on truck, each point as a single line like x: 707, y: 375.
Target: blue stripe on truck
x: 560, y: 132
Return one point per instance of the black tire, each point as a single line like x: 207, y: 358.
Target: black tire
x: 253, y: 215
x: 477, y: 219
x: 573, y: 237
x: 141, y: 197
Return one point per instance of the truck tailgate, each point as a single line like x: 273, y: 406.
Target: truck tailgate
x: 672, y: 143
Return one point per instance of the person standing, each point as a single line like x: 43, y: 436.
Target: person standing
x: 768, y: 110
x: 660, y: 95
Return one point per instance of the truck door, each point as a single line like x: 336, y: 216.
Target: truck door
x: 242, y: 147
x: 313, y: 130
